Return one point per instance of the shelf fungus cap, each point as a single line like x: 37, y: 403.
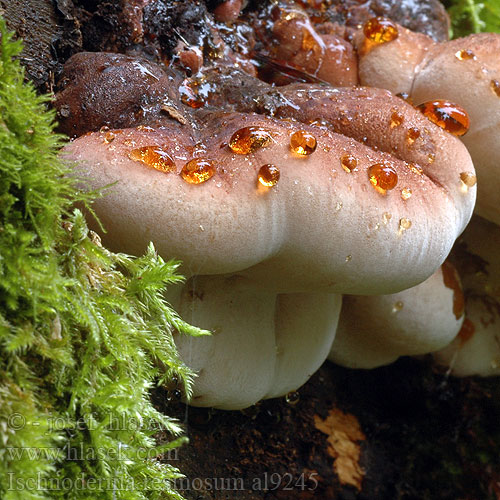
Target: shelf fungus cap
x: 360, y: 206
x: 333, y: 191
x: 476, y: 349
x: 464, y: 72
x: 375, y: 330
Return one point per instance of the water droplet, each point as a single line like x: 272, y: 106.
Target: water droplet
x: 197, y: 171
x: 109, y: 137
x: 396, y: 119
x: 349, y: 163
x: 292, y: 398
x: 431, y: 157
x: 153, y: 156
x: 269, y: 175
x: 303, y: 143
x: 405, y: 96
x: 382, y: 177
x: 468, y: 178
x: 412, y: 135
x: 189, y: 96
x: 338, y: 206
x: 495, y: 86
x: 145, y: 128
x: 380, y: 30
x: 465, y: 54
x: 248, y: 139
x: 104, y: 129
x: 406, y: 193
x: 348, y: 258
x: 386, y: 217
x: 416, y: 169
x: 404, y: 224
x: 174, y: 395
x: 446, y: 115
x: 397, y: 306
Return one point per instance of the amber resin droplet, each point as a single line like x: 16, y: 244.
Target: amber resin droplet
x: 446, y: 115
x: 109, y: 137
x: 189, y: 96
x: 406, y: 194
x: 303, y: 143
x: 269, y: 175
x: 349, y: 163
x: 248, y: 139
x: 197, y: 171
x: 451, y: 280
x: 292, y: 398
x: 397, y: 306
x: 468, y: 179
x: 380, y: 30
x: 412, y: 135
x: 495, y: 86
x: 386, y: 217
x: 382, y: 177
x: 416, y: 169
x: 465, y: 54
x: 154, y: 157
x: 396, y: 119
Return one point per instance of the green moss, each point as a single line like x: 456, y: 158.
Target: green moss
x: 472, y: 16
x: 84, y: 333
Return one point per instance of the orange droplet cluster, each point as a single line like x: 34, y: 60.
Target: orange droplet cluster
x: 269, y: 175
x: 465, y: 54
x: 189, y: 96
x: 198, y: 170
x: 380, y: 30
x: 451, y: 280
x: 382, y: 177
x: 446, y: 115
x: 248, y: 139
x: 303, y: 143
x: 349, y: 163
x: 396, y: 119
x: 495, y: 86
x: 153, y: 156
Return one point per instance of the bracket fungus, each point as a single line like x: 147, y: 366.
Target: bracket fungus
x: 276, y: 203
x: 375, y: 330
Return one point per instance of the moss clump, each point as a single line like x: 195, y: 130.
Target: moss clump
x: 84, y: 333
x: 473, y: 16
